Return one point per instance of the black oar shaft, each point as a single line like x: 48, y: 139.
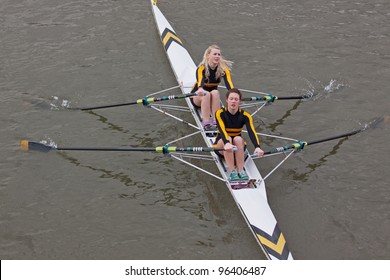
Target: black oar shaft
x: 300, y: 145
x: 107, y: 149
x: 335, y: 137
x: 36, y: 146
x: 291, y: 97
x: 108, y: 106
x: 272, y: 98
x: 143, y: 101
x: 161, y: 149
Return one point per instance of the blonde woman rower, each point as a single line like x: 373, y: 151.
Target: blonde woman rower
x: 209, y: 74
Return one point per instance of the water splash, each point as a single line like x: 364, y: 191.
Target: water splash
x: 58, y: 104
x: 317, y: 89
x: 375, y: 122
x: 334, y: 86
x: 48, y: 142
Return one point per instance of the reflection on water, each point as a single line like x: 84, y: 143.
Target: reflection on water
x: 110, y: 125
x: 273, y: 126
x: 313, y: 91
x: 303, y: 176
x: 175, y: 193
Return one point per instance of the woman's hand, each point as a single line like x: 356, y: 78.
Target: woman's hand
x: 229, y: 147
x: 201, y: 92
x: 259, y: 152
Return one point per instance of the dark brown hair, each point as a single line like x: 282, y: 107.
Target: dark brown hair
x: 235, y: 90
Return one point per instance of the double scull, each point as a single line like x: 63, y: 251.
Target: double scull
x: 252, y: 202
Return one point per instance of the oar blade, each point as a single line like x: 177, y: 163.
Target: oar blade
x: 35, y: 146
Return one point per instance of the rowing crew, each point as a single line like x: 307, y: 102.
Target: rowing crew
x: 230, y: 119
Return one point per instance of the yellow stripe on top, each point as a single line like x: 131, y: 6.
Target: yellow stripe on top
x: 199, y: 75
x: 221, y: 124
x: 233, y: 131
x: 228, y: 78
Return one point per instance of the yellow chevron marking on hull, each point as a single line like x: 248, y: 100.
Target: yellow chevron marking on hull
x: 278, y: 247
x: 172, y: 36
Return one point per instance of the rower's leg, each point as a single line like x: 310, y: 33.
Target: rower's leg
x: 205, y: 107
x: 239, y: 154
x: 215, y: 102
x: 228, y: 156
x: 203, y: 102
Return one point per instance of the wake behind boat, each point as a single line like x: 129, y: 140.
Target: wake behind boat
x: 252, y: 201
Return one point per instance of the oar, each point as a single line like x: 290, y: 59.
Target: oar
x: 300, y: 145
x: 143, y: 101
x: 36, y: 146
x: 272, y: 98
x: 267, y: 96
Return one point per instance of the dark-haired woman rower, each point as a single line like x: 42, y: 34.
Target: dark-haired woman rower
x: 230, y: 121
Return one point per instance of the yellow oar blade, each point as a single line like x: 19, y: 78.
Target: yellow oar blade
x: 35, y: 146
x: 24, y: 145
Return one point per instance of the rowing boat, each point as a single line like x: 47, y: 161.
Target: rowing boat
x: 252, y: 202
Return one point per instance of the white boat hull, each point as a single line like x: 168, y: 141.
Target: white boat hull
x: 252, y: 202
